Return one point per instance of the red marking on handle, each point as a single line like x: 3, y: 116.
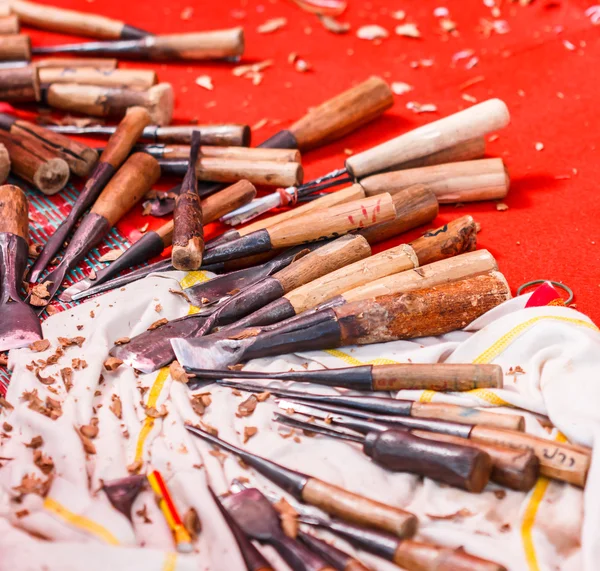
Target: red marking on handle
x: 364, y: 211
x: 351, y: 218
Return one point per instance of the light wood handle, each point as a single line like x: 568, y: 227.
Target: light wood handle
x: 14, y: 213
x: 220, y: 135
x: 558, y: 460
x: 165, y: 233
x: 4, y: 163
x: 97, y: 63
x: 348, y: 194
x: 197, y: 45
x: 417, y: 556
x: 456, y: 237
x: 131, y: 182
x: 241, y: 153
x: 467, y: 151
x: 452, y: 130
x: 20, y: 84
x: 333, y: 221
x: 9, y: 24
x: 226, y: 200
x: 268, y: 173
x: 15, y: 47
x: 67, y: 21
x: 467, y: 415
x: 436, y: 377
x: 127, y: 133
x: 131, y: 78
x: 343, y: 114
x: 444, y: 271
x: 468, y: 181
x: 514, y: 469
x: 414, y: 206
x: 358, y: 509
x: 388, y: 262
x: 328, y: 258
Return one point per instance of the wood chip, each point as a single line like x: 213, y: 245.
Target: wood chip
x: 302, y: 66
x: 186, y: 13
x: 116, y: 406
x: 36, y: 442
x: 112, y: 363
x: 78, y: 364
x: 200, y: 403
x: 245, y: 333
x: 158, y: 324
x: 70, y: 342
x: 44, y: 463
x: 154, y: 412
x: 421, y: 107
x: 539, y: 146
x: 37, y: 301
x: 110, y: 256
x: 3, y: 359
x: 5, y: 404
x: 271, y: 26
x: 288, y: 516
x: 7, y: 427
x: 192, y: 523
x: 247, y: 407
x: 210, y: 429
x: 500, y: 494
x: 135, y: 466
x: 49, y: 380
x: 399, y: 87
x: 180, y: 294
x: 41, y: 290
x: 333, y: 25
x: 177, y: 373
x: 262, y: 397
x: 66, y: 375
x: 408, y: 31
x: 89, y: 430
x: 39, y: 346
x: 249, y: 432
x: 205, y: 81
x: 501, y: 206
x: 34, y: 250
x: 158, y: 308
x: 31, y: 484
x: 88, y: 445
x: 143, y: 513
x: 259, y: 124
x: 51, y: 408
x: 372, y: 32
x: 456, y: 515
x: 122, y: 341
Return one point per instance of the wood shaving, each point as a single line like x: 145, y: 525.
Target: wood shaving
x: 70, y: 342
x: 200, y: 403
x: 210, y: 429
x: 110, y: 256
x: 44, y: 463
x: 22, y: 513
x: 447, y: 25
x: 37, y: 301
x: 78, y: 364
x: 192, y: 523
x: 501, y: 206
x: 36, y: 442
x: 408, y: 31
x: 471, y: 82
x: 135, y: 466
x: 245, y: 333
x: 7, y: 427
x: 144, y: 228
x: 399, y: 87
x: 271, y: 26
x: 50, y: 408
x: 116, y: 406
x: 259, y: 124
x: 469, y: 98
x: 456, y: 515
x: 421, y: 107
x: 177, y: 372
x: 49, y: 380
x: 158, y: 324
x: 205, y: 81
x: 31, y: 484
x: 262, y: 397
x: 112, y: 363
x: 158, y: 308
x: 122, y: 341
x: 89, y: 430
x: 180, y: 294
x: 186, y: 13
x: 398, y: 15
x: 288, y: 516
x: 247, y: 407
x: 505, y: 528
x: 41, y: 290
x: 539, y: 146
x: 143, y: 513
x: 252, y: 71
x: 154, y: 412
x: 5, y: 404
x: 302, y: 66
x: 39, y: 346
x: 249, y: 432
x: 500, y: 494
x: 333, y: 25
x: 88, y: 445
x: 219, y: 455
x: 34, y: 250
x: 372, y: 32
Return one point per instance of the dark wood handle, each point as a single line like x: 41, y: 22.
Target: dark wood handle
x: 15, y: 47
x: 14, y: 216
x: 458, y: 466
x: 131, y: 182
x: 226, y: 200
x: 417, y: 556
x: 560, y: 461
x: 513, y: 468
x: 359, y: 509
x: 436, y: 377
x: 197, y: 45
x: 20, y: 84
x: 322, y: 261
x: 127, y: 133
x: 333, y: 221
x: 344, y: 113
x: 188, y: 233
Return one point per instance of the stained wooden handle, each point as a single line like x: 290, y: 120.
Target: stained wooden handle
x: 514, y: 469
x: 4, y: 163
x: 241, y: 153
x: 467, y: 415
x: 127, y: 133
x: 419, y: 556
x: 131, y: 182
x: 188, y: 233
x: 14, y: 216
x: 344, y: 113
x: 226, y: 200
x: 467, y: 181
x: 9, y: 24
x: 333, y: 221
x: 456, y: 237
x: 20, y: 84
x: 444, y: 271
x: 335, y: 283
x: 437, y: 377
x: 67, y: 21
x: 421, y: 313
x: 462, y: 126
x: 558, y: 460
x: 459, y: 466
x: 328, y: 258
x: 221, y: 135
x: 467, y: 151
x: 15, y: 47
x: 269, y: 173
x: 359, y: 509
x: 414, y: 206
x: 198, y: 45
x: 348, y: 194
x: 97, y: 63
x: 131, y: 78
x: 165, y: 233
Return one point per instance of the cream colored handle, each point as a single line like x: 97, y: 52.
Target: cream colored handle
x: 198, y: 45
x: 474, y: 122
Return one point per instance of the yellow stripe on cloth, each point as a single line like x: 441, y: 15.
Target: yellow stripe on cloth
x: 170, y: 563
x: 193, y: 278
x: 80, y: 522
x: 356, y: 362
x: 427, y: 396
x: 535, y: 499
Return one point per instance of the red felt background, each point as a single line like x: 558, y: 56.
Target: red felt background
x: 551, y: 229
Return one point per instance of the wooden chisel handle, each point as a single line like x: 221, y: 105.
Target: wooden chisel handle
x: 467, y: 415
x: 358, y: 509
x: 197, y: 45
x: 131, y: 182
x: 343, y: 113
x: 558, y: 460
x: 122, y: 140
x: 241, y: 153
x: 467, y: 151
x: 14, y: 216
x: 15, y: 47
x: 428, y: 139
x: 333, y: 221
x: 272, y: 173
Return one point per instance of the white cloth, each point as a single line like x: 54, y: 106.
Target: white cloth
x: 555, y: 526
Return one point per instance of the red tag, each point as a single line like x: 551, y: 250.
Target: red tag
x: 546, y: 294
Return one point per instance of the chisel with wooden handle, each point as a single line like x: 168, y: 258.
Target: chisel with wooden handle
x: 113, y: 156
x: 128, y: 78
x: 178, y: 155
x: 128, y: 186
x: 153, y: 242
x: 328, y: 497
x: 20, y: 84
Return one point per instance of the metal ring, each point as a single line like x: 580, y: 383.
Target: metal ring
x: 557, y: 284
